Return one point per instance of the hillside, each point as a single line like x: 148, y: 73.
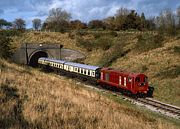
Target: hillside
x: 33, y: 99
x: 154, y: 55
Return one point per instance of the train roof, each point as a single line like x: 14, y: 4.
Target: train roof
x: 53, y: 60
x: 122, y: 72
x: 82, y: 65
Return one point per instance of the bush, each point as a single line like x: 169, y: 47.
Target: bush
x: 97, y: 35
x: 113, y: 54
x: 81, y: 33
x: 144, y: 68
x: 148, y: 42
x: 71, y: 35
x: 104, y: 43
x: 172, y: 72
x: 113, y: 33
x: 177, y: 49
x: 9, y: 33
x: 88, y: 45
x: 5, y: 49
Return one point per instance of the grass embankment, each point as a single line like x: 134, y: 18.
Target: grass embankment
x: 155, y: 55
x: 32, y: 99
x: 159, y: 60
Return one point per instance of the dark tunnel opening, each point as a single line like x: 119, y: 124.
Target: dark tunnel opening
x: 34, y: 59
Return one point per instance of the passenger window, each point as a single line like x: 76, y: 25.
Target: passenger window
x: 78, y: 70
x: 137, y: 79
x: 93, y: 73
x: 81, y: 70
x: 88, y: 72
x: 85, y: 71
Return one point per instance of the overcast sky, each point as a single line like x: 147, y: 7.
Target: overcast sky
x: 85, y: 10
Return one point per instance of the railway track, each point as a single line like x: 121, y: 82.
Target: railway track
x: 161, y: 107
x: 150, y: 103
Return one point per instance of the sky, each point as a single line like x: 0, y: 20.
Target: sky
x: 84, y: 10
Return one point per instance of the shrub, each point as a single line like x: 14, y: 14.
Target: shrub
x: 113, y: 33
x: 5, y: 49
x: 172, y: 72
x: 113, y: 54
x: 10, y: 33
x: 97, y: 35
x: 71, y: 35
x: 144, y: 68
x: 177, y: 49
x: 81, y: 32
x: 148, y: 42
x: 88, y: 45
x: 103, y: 43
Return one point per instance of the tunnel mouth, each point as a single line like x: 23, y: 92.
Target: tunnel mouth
x: 34, y: 58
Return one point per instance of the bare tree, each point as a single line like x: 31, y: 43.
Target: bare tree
x: 178, y: 15
x: 19, y: 23
x: 122, y: 12
x: 58, y: 20
x: 36, y: 24
x: 58, y: 15
x: 166, y: 21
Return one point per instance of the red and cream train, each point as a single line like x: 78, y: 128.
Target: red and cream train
x: 131, y: 83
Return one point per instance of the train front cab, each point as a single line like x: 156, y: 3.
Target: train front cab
x: 140, y: 84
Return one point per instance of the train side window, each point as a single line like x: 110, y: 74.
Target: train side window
x: 145, y: 79
x: 75, y: 69
x: 120, y: 80
x: 78, y: 70
x: 124, y: 81
x: 137, y: 79
x: 88, y: 72
x: 85, y: 71
x: 107, y: 76
x: 129, y: 79
x: 93, y: 73
x: 81, y: 70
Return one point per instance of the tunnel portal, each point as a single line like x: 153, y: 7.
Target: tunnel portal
x: 34, y: 58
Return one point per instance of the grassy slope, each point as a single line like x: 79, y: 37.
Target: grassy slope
x: 159, y: 64
x: 47, y: 37
x: 32, y: 99
x: 162, y: 67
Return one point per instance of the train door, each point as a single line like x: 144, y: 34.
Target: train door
x: 130, y: 82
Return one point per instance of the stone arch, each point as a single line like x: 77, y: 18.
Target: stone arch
x: 33, y: 58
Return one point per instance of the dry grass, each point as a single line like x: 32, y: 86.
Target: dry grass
x: 32, y: 99
x: 158, y: 64
x: 161, y: 65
